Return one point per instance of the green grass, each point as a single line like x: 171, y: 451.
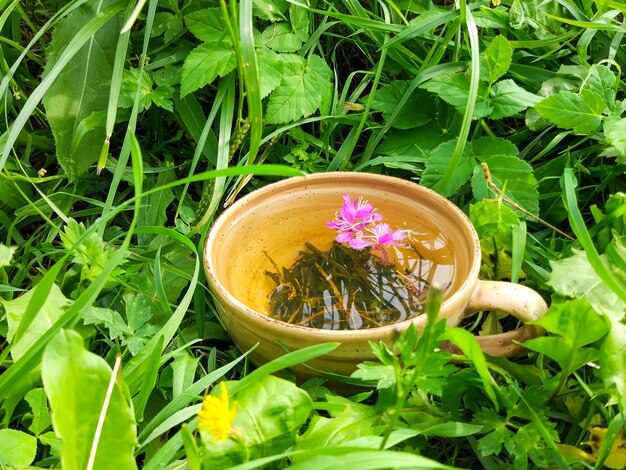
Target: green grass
x: 125, y: 129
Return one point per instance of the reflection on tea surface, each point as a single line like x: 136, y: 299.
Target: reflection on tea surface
x: 343, y: 288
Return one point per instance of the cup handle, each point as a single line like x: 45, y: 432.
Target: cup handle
x: 517, y: 300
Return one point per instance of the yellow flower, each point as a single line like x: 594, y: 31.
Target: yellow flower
x: 216, y: 416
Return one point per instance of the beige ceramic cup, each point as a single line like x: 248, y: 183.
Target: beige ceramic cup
x: 275, y: 222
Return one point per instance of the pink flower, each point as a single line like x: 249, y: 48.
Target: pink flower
x: 381, y: 235
x: 353, y: 217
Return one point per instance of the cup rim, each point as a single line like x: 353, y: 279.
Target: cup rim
x: 329, y: 335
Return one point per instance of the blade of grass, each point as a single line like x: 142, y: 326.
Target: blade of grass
x: 217, y: 102
x: 472, y: 33
x: 223, y: 150
x: 114, y: 94
x: 132, y: 122
x: 251, y: 77
x: 288, y: 360
x: 568, y: 185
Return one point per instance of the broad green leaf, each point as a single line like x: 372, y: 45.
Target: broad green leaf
x: 208, y: 25
x: 615, y: 133
x: 36, y: 398
x: 570, y: 111
x: 360, y: 459
x: 280, y: 37
x: 574, y: 277
x: 81, y: 89
x: 6, y: 255
x: 438, y: 162
x: 17, y: 449
x: 342, y: 428
x: 467, y: 343
x: 613, y: 360
x: 498, y: 57
x: 508, y: 172
x: 602, y: 81
x: 49, y: 313
x: 418, y: 110
x: 454, y: 90
x: 493, y: 222
x: 270, y: 412
x: 573, y: 325
x: 300, y: 92
x: 508, y: 98
x: 67, y: 368
x: 204, y: 64
x: 270, y: 70
x: 299, y: 18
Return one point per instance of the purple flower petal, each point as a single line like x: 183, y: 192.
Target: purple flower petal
x: 344, y: 237
x: 359, y: 243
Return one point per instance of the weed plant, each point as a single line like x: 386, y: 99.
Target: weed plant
x: 126, y: 127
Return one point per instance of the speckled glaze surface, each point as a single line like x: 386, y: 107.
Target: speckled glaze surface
x: 273, y: 222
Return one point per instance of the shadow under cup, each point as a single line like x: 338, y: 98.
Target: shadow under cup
x: 272, y: 224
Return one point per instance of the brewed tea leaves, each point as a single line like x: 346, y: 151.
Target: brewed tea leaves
x: 347, y: 289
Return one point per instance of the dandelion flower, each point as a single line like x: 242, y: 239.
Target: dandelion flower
x: 216, y: 415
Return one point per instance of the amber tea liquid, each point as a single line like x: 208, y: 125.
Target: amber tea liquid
x: 337, y: 287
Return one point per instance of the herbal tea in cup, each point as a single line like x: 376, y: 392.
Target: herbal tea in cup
x: 370, y: 276
x: 282, y: 227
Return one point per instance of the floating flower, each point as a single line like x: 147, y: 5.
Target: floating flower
x: 352, y: 218
x: 381, y: 235
x: 216, y: 415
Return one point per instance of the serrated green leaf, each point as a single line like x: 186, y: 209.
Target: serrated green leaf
x: 573, y: 324
x: 81, y: 90
x: 570, y: 111
x: 454, y: 90
x: 493, y: 222
x: 66, y: 365
x: 204, y: 64
x: 508, y: 98
x: 208, y: 25
x: 271, y: 70
x: 437, y: 164
x: 574, y: 277
x: 281, y: 38
x: 498, y: 57
x: 508, y: 172
x: 92, y: 253
x: 168, y: 24
x: 418, y: 110
x: 615, y: 133
x: 132, y: 81
x: 382, y: 374
x: 300, y: 92
x: 299, y: 18
x: 36, y: 398
x: 601, y: 80
x: 17, y: 449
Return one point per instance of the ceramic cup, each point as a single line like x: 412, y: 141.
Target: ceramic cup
x: 274, y: 222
